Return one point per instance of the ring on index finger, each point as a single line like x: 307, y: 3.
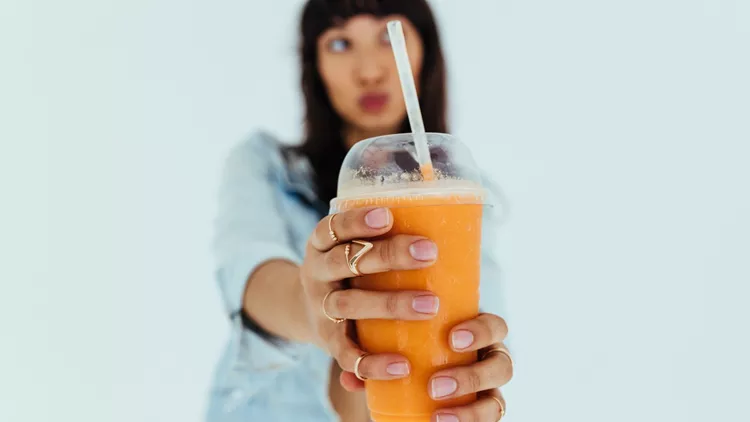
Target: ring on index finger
x: 331, y: 233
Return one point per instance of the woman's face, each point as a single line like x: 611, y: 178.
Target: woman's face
x: 359, y: 72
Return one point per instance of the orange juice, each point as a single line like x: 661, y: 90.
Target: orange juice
x: 453, y: 222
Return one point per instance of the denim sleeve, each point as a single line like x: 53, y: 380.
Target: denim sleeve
x: 250, y: 229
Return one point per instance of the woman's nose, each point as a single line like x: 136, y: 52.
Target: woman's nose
x: 371, y: 70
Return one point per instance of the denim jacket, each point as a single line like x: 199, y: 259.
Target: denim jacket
x: 267, y: 209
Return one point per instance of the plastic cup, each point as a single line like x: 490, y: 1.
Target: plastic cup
x: 383, y: 172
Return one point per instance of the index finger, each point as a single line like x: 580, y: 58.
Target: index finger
x: 348, y: 225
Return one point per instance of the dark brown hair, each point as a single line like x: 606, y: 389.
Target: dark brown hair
x: 323, y: 144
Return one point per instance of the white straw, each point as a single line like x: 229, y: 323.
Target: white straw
x: 398, y: 44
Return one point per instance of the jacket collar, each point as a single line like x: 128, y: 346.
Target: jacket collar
x: 297, y: 179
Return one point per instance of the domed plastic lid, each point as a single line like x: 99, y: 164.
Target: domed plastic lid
x: 387, y: 166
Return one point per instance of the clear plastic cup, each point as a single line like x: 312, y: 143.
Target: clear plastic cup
x: 384, y: 172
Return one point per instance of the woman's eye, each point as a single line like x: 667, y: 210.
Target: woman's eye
x: 338, y: 45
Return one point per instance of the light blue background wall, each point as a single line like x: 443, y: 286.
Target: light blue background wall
x: 619, y: 131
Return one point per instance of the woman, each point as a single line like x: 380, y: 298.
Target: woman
x: 287, y: 360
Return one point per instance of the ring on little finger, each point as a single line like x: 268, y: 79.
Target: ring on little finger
x: 501, y: 406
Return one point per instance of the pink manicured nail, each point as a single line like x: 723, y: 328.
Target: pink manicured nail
x: 426, y: 304
x: 423, y: 250
x: 377, y: 218
x: 443, y: 386
x: 398, y: 368
x: 462, y: 339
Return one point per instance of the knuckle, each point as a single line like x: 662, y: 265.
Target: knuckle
x: 494, y: 326
x: 507, y: 373
x: 342, y: 303
x: 502, y: 328
x: 309, y: 247
x: 339, y: 350
x: 485, y: 324
x: 319, y: 236
x: 471, y: 413
x: 474, y: 415
x: 347, y: 222
x: 472, y: 381
x: 391, y: 303
x: 307, y: 270
x: 334, y: 348
x: 500, y: 372
x: 339, y: 357
x: 500, y: 321
x: 386, y: 253
x: 333, y: 259
x: 305, y: 275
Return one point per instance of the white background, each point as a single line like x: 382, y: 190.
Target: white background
x: 618, y: 130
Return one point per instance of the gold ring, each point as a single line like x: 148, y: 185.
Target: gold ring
x: 498, y: 349
x: 352, y: 262
x: 356, y: 366
x: 330, y: 230
x: 323, y: 307
x: 500, y: 405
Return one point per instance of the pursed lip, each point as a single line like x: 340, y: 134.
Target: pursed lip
x: 373, y: 102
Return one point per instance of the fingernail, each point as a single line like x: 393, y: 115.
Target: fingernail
x: 426, y: 304
x: 462, y: 339
x: 446, y: 418
x: 443, y: 386
x: 423, y: 250
x: 377, y: 218
x: 398, y: 368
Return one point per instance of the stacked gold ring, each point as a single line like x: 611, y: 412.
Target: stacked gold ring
x: 331, y: 233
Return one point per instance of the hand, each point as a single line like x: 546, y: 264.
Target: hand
x: 322, y: 274
x: 482, y: 333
